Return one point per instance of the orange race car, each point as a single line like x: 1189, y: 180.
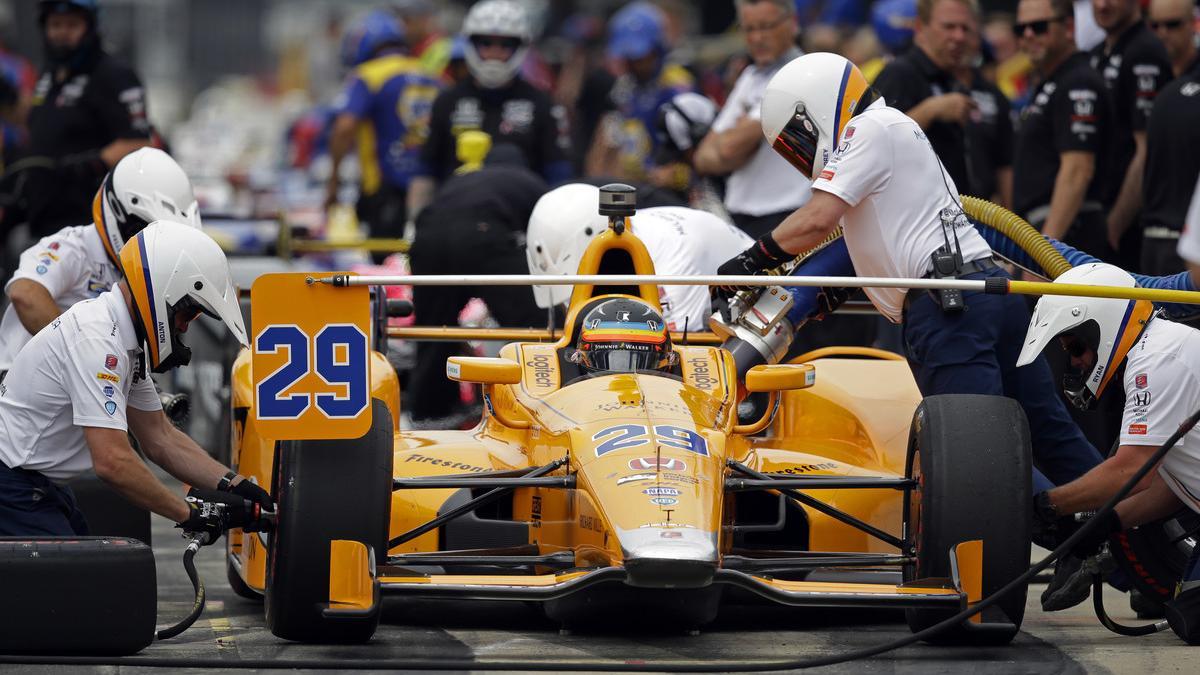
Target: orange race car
x: 629, y: 489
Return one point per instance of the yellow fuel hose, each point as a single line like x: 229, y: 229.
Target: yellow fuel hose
x: 1082, y: 290
x: 1021, y: 232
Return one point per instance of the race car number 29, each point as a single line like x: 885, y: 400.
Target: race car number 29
x: 311, y: 360
x: 338, y: 356
x: 624, y: 436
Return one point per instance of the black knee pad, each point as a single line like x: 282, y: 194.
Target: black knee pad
x: 1183, y: 615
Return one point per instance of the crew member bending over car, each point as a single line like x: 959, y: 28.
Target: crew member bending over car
x: 680, y: 241
x: 80, y: 262
x: 82, y: 382
x: 874, y: 171
x: 1162, y: 388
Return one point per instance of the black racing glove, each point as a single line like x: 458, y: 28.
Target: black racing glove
x: 763, y: 255
x: 252, y: 492
x: 1049, y: 529
x: 1097, y: 535
x: 829, y: 299
x: 212, y: 512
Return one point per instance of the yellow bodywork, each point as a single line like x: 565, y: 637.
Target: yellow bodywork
x: 649, y: 453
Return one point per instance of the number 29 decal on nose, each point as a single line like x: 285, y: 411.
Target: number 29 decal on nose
x: 625, y: 436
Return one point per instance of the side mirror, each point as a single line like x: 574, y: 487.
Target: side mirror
x: 781, y: 376
x: 483, y: 370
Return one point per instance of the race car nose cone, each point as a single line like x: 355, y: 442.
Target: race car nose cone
x: 657, y: 557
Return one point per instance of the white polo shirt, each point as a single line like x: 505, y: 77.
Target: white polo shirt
x: 888, y: 173
x: 767, y: 183
x: 77, y: 372
x: 1162, y: 387
x: 683, y: 241
x: 1189, y: 241
x: 72, y: 265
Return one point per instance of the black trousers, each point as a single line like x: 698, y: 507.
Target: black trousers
x: 464, y: 247
x: 385, y: 213
x: 1161, y: 257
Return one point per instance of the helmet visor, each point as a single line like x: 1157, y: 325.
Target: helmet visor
x: 797, y: 142
x: 624, y: 357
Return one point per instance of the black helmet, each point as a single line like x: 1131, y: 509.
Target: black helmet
x: 623, y: 335
x: 88, y: 47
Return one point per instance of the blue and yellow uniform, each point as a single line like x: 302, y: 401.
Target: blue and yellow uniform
x: 638, y: 105
x: 391, y: 96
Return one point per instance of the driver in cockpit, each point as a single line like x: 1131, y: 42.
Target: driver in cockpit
x: 623, y: 335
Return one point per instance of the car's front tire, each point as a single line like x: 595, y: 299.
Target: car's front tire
x: 970, y: 455
x: 326, y: 490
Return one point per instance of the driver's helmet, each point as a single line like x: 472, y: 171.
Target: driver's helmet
x: 1108, y: 326
x: 623, y: 335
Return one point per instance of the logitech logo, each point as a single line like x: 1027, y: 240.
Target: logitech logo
x: 541, y: 371
x: 701, y: 375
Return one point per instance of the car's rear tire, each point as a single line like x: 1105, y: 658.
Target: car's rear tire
x: 326, y: 490
x: 971, y: 457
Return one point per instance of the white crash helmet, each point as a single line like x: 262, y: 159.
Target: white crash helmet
x: 807, y: 104
x: 172, y: 268
x: 145, y: 186
x: 564, y: 221
x: 683, y: 121
x: 1109, y: 326
x: 501, y: 19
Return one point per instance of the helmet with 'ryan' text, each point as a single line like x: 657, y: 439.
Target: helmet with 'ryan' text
x: 363, y: 42
x: 496, y: 21
x: 174, y: 273
x: 145, y: 186
x: 1108, y: 326
x: 807, y: 104
x: 623, y: 335
x: 564, y: 221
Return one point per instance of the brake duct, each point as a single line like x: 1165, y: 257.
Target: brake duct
x: 761, y: 323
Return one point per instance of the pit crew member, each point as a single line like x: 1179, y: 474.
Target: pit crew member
x: 83, y: 381
x: 876, y: 173
x: 88, y: 112
x: 1174, y: 22
x: 1161, y: 378
x: 680, y: 241
x: 495, y: 100
x: 386, y: 108
x: 1135, y: 66
x: 680, y: 126
x: 760, y: 191
x: 626, y: 145
x: 79, y: 263
x: 475, y: 225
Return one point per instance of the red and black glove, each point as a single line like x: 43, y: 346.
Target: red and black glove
x: 247, y: 490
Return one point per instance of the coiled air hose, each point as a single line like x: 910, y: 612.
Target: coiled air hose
x: 1028, y: 240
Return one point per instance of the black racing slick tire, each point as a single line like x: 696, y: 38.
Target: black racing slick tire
x: 970, y: 456
x: 326, y: 490
x: 76, y: 595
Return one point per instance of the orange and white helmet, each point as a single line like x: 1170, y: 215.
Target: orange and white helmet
x: 807, y: 104
x: 1109, y: 326
x: 145, y: 186
x: 176, y: 272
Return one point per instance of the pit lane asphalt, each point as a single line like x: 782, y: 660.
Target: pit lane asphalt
x: 232, y: 629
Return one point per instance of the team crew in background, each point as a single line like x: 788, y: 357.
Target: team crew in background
x: 1135, y: 67
x: 761, y: 189
x: 385, y: 111
x: 89, y: 111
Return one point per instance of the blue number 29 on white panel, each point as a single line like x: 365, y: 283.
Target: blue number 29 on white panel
x: 338, y: 354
